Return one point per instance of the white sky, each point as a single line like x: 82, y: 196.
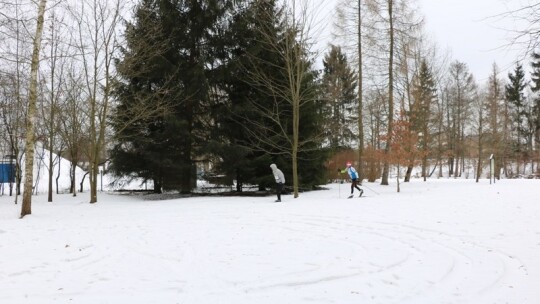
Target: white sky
x: 468, y: 29
x: 472, y: 33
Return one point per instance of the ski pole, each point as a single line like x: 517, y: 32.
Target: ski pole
x: 371, y: 189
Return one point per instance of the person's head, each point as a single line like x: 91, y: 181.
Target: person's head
x: 349, y: 164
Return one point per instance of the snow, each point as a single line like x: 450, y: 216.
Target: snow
x: 440, y: 241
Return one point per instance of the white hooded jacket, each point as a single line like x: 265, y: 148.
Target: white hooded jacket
x: 278, y: 175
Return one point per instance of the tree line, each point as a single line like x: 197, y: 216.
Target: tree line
x: 165, y: 91
x: 446, y: 121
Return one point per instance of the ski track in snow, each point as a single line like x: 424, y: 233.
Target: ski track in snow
x: 461, y: 264
x: 317, y: 249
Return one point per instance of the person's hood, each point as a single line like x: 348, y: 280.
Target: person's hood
x: 274, y: 167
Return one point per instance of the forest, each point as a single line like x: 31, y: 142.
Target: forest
x: 172, y: 91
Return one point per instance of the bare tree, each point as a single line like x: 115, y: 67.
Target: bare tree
x: 390, y: 3
x: 72, y: 120
x: 480, y: 105
x: 12, y: 120
x: 293, y: 51
x: 57, y: 56
x: 15, y: 53
x: 360, y: 95
x: 526, y: 18
x: 385, y: 34
x: 30, y: 121
x: 495, y: 124
x: 376, y: 107
x: 97, y: 26
x: 462, y: 92
x: 342, y: 25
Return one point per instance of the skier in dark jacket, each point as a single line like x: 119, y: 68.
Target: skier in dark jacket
x: 280, y: 180
x: 354, y: 178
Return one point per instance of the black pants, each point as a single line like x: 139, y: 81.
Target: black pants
x: 279, y: 188
x: 354, y: 184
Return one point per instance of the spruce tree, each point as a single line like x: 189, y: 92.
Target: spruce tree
x: 292, y: 129
x: 535, y: 87
x: 261, y: 99
x: 166, y: 66
x: 147, y: 79
x: 233, y: 151
x: 424, y: 93
x: 339, y: 101
x: 515, y: 97
x: 188, y: 63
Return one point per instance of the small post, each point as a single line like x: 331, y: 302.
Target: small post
x: 100, y: 168
x: 339, y: 183
x: 491, y: 168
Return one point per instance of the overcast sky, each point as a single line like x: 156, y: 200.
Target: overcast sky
x: 473, y: 33
x: 468, y: 29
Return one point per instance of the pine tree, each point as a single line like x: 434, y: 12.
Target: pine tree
x: 535, y: 113
x: 166, y: 67
x: 424, y: 94
x: 283, y: 114
x: 339, y: 84
x: 516, y: 99
x: 229, y: 144
x: 146, y: 79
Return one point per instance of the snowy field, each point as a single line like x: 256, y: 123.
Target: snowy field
x: 443, y: 241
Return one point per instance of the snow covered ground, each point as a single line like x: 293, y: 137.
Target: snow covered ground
x: 442, y: 241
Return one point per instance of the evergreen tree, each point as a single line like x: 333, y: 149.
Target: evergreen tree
x: 189, y: 64
x: 166, y: 66
x: 234, y: 153
x: 147, y: 78
x: 339, y: 101
x: 424, y: 94
x: 535, y: 86
x: 515, y: 97
x: 282, y: 105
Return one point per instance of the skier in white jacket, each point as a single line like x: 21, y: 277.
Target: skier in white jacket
x: 280, y: 180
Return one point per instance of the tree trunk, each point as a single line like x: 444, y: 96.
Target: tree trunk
x: 58, y: 175
x: 424, y: 168
x: 72, y: 171
x: 239, y: 180
x: 296, y: 128
x: 50, y: 190
x: 386, y: 168
x: 425, y: 152
x: 397, y: 179
x: 31, y: 114
x: 408, y: 174
x: 93, y: 183
x: 51, y: 127
x: 450, y: 166
x: 360, y: 98
x: 18, y: 180
x: 82, y: 182
x: 480, y: 147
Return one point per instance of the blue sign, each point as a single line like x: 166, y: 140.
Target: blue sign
x: 7, y: 173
